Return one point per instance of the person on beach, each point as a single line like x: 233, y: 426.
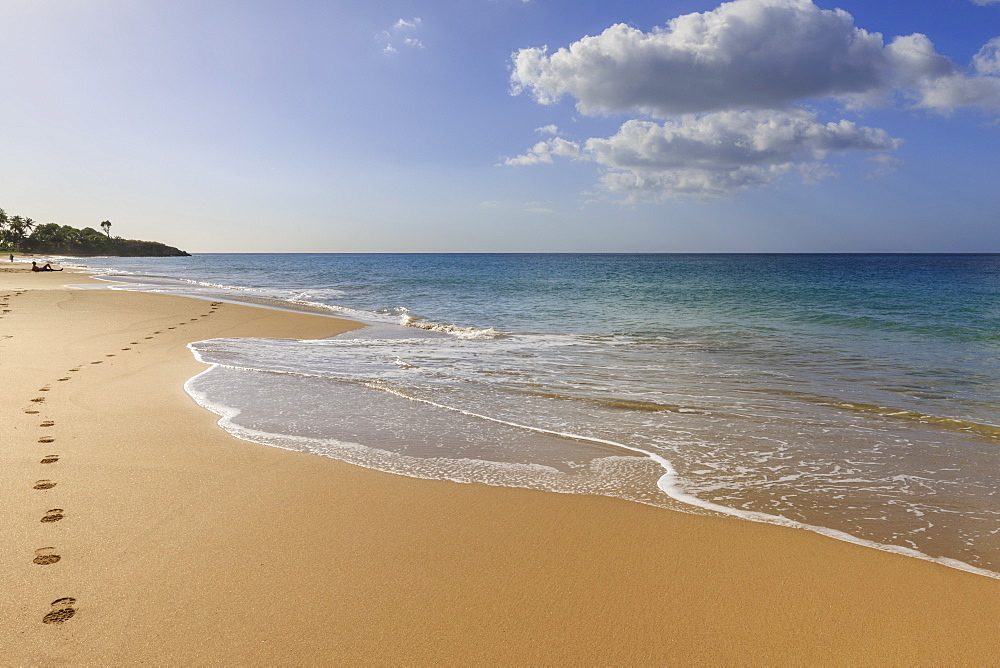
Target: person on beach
x: 11, y: 257
x: 47, y: 267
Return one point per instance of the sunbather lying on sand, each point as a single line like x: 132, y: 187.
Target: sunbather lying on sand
x: 46, y: 267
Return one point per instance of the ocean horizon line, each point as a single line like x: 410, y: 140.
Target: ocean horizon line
x: 622, y: 253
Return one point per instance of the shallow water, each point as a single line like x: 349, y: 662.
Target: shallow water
x: 853, y: 394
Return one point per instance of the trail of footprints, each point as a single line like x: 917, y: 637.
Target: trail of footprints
x: 63, y: 609
x: 5, y: 302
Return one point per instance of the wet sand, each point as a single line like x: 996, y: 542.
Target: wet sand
x: 178, y: 543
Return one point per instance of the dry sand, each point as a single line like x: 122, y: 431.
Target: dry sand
x: 180, y: 544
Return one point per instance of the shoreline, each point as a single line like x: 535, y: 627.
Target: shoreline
x: 180, y: 543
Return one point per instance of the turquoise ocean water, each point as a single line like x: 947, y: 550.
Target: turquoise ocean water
x: 854, y: 395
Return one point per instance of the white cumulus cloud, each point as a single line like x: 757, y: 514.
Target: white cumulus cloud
x: 730, y: 84
x: 987, y: 61
x: 543, y: 152
x: 712, y: 155
x: 933, y: 81
x: 746, y: 54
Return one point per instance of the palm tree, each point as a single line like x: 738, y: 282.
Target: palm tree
x: 49, y: 234
x: 3, y: 228
x: 18, y: 228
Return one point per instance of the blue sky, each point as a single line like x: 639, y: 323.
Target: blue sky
x: 505, y: 125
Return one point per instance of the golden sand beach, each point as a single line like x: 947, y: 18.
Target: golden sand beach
x: 135, y: 530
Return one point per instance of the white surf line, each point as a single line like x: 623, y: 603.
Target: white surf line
x: 667, y: 482
x: 668, y: 485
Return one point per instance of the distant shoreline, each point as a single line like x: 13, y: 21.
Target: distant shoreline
x: 20, y: 233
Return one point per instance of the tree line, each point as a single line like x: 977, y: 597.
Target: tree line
x: 20, y: 233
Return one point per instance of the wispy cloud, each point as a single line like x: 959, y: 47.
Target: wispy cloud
x: 401, y: 35
x: 538, y: 207
x: 404, y: 24
x: 883, y: 165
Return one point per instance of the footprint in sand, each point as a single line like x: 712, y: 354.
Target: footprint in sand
x: 157, y: 332
x: 46, y: 439
x: 45, y: 556
x: 44, y: 389
x: 110, y: 355
x: 62, y: 609
x: 126, y: 349
x: 44, y: 484
x: 53, y: 515
x: 47, y: 423
x: 133, y: 343
x: 66, y: 378
x: 39, y: 400
x: 149, y: 337
x: 50, y: 459
x: 171, y: 328
x: 72, y: 371
x: 98, y: 362
x: 31, y: 412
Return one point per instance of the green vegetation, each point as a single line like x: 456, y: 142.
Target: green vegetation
x: 23, y: 234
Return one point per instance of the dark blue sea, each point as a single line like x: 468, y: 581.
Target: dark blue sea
x: 853, y: 395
